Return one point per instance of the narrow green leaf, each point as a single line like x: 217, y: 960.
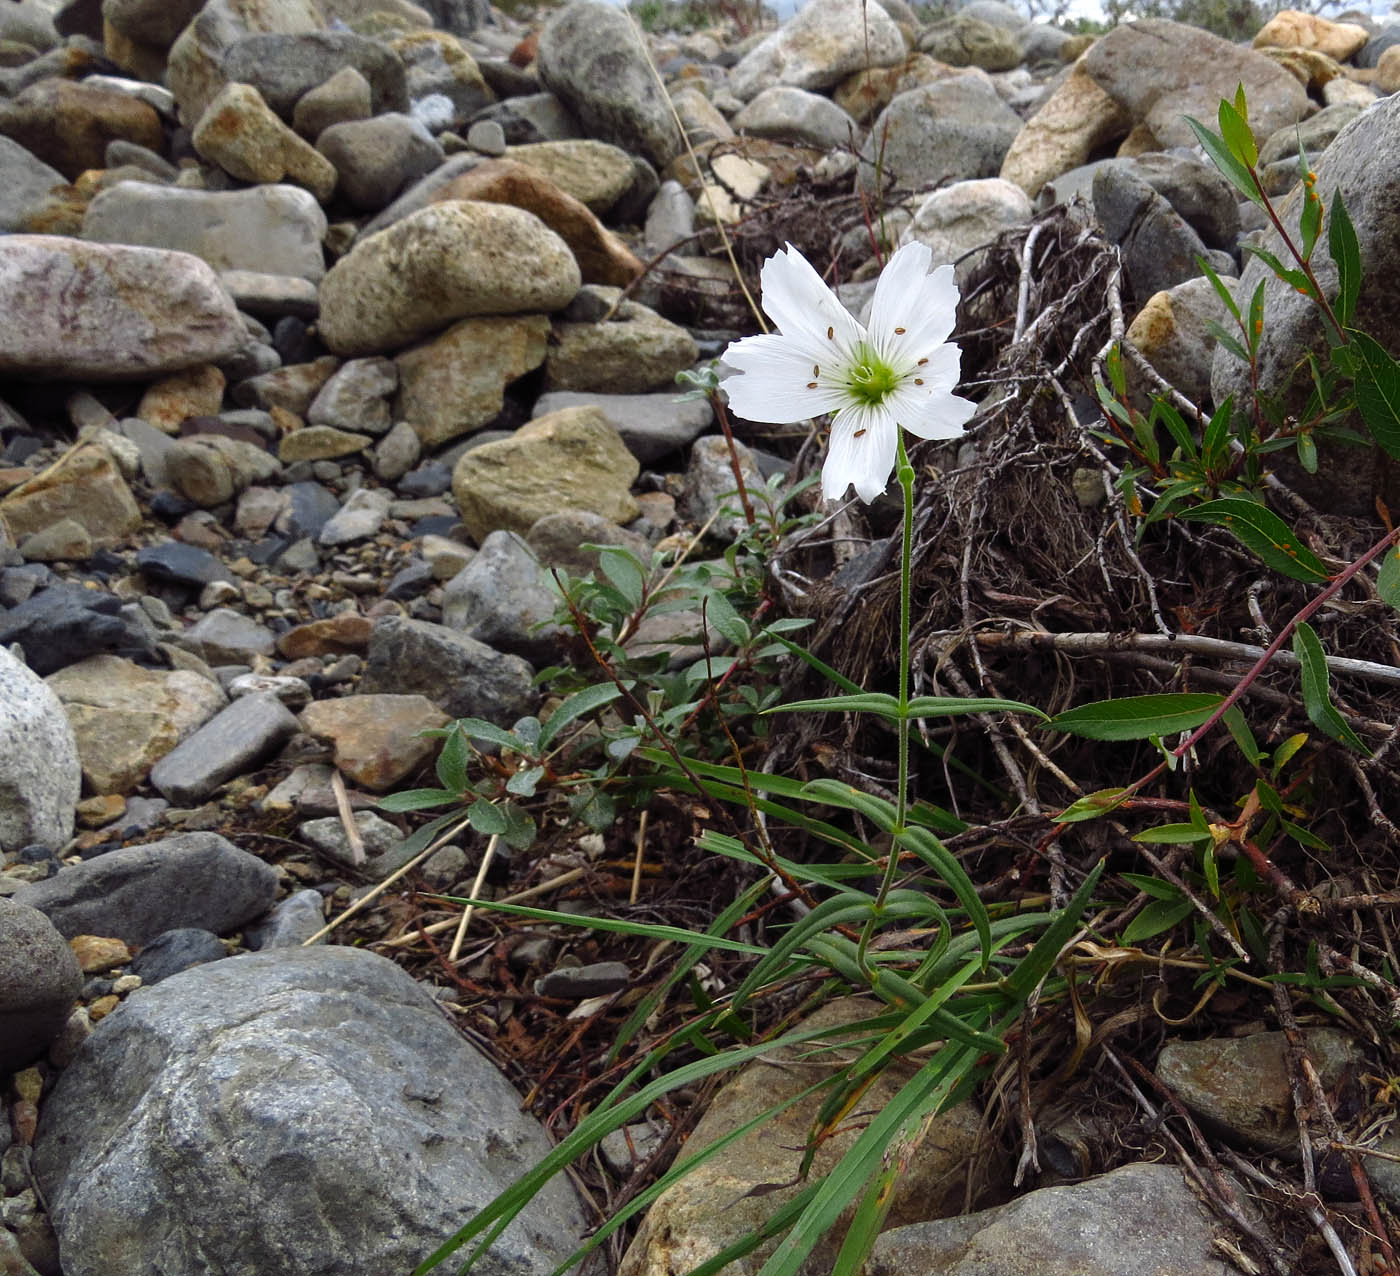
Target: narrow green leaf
x: 478, y: 729
x: 1316, y: 699
x: 1230, y: 168
x: 1172, y: 834
x: 1345, y: 251
x: 1092, y: 805
x: 1228, y: 340
x: 417, y: 799
x: 1041, y: 959
x: 876, y: 702
x: 1262, y: 532
x: 1310, y: 220
x: 948, y: 706
x: 621, y: 567
x: 1222, y: 290
x: 1153, y: 886
x: 1138, y: 717
x: 1160, y: 915
x: 1243, y: 736
x: 1377, y: 390
x: 719, y: 611
x: 575, y: 706
x: 1294, y: 278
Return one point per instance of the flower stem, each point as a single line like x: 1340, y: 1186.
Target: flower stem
x: 905, y: 473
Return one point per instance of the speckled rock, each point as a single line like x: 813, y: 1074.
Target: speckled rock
x: 39, y: 981
x: 446, y: 262
x: 42, y: 779
x: 144, y: 312
x: 571, y: 459
x: 634, y: 351
x: 227, y: 1072
x: 376, y: 737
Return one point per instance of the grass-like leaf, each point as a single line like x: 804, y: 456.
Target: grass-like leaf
x: 1345, y: 251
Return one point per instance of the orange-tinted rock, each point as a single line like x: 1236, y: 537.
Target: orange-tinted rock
x: 336, y: 635
x: 68, y: 124
x: 376, y: 737
x: 602, y: 257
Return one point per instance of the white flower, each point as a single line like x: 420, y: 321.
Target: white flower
x: 901, y: 371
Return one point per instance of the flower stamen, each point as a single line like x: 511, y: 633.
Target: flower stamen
x: 870, y: 379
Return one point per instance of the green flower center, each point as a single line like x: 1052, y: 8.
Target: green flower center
x: 870, y: 379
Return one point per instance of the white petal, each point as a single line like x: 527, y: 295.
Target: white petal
x: 861, y: 452
x: 797, y: 300
x: 941, y: 416
x: 772, y: 379
x: 914, y: 311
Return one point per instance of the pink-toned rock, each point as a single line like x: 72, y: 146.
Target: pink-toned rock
x: 109, y: 312
x: 67, y: 123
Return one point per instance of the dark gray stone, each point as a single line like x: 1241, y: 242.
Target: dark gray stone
x: 283, y: 67
x: 64, y: 624
x: 175, y: 950
x: 1370, y: 52
x: 310, y: 508
x: 135, y: 893
x: 1137, y: 1219
x: 361, y: 1129
x: 235, y: 740
x: 1159, y: 248
x: 574, y: 983
x: 39, y: 981
x: 462, y: 676
x: 460, y: 17
x: 175, y: 563
x: 535, y: 117
x: 948, y: 131
x: 376, y: 158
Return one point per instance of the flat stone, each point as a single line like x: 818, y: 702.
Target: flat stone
x: 142, y: 312
x: 356, y: 397
x: 99, y: 953
x: 174, y: 563
x: 634, y: 351
x: 234, y: 741
x: 504, y: 598
x: 574, y: 983
x: 290, y: 924
x: 590, y: 171
x: 376, y: 737
x: 358, y: 519
x: 197, y: 391
x: 377, y: 836
x: 63, y: 624
x: 229, y: 637
x: 64, y: 541
x: 68, y: 124
x: 135, y: 893
x: 125, y: 718
x: 85, y: 485
x: 273, y: 229
x: 285, y: 68
x: 1240, y: 1085
x: 320, y: 443
x: 336, y: 635
x: 226, y: 1072
x: 42, y: 779
x: 826, y: 41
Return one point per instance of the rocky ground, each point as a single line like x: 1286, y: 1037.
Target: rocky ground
x: 315, y: 357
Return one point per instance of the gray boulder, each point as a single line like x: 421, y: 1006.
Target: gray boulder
x: 41, y: 778
x: 590, y: 58
x: 25, y: 185
x: 948, y: 131
x: 39, y: 981
x: 504, y: 598
x: 377, y: 158
x: 1136, y: 1219
x: 283, y: 67
x: 135, y: 893
x: 360, y: 1128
